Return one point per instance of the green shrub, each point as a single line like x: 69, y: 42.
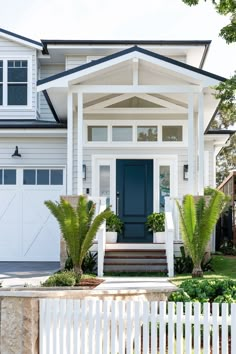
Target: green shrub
x: 114, y: 224
x: 62, y: 279
x: 206, y: 291
x: 156, y: 222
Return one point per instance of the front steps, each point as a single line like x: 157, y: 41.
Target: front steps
x: 139, y: 258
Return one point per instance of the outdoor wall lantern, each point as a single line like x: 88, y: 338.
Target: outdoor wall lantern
x: 16, y: 153
x: 185, y: 172
x: 84, y: 171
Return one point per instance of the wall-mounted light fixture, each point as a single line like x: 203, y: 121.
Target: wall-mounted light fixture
x: 16, y: 153
x: 84, y: 171
x: 185, y: 171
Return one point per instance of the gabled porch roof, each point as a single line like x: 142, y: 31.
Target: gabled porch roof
x: 69, y: 75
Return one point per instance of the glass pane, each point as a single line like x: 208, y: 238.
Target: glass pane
x: 56, y: 177
x: 29, y: 176
x: 122, y: 134
x: 17, y: 70
x: 147, y: 133
x: 172, y: 133
x: 97, y: 133
x: 43, y: 177
x: 164, y: 186
x: 0, y: 176
x: 104, y: 186
x: 0, y: 94
x: 9, y: 176
x: 17, y: 94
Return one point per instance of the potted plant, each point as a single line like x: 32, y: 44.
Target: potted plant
x: 113, y: 226
x: 156, y: 223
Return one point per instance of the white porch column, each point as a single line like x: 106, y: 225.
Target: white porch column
x: 80, y: 144
x: 69, y: 143
x: 191, y: 146
x: 200, y: 144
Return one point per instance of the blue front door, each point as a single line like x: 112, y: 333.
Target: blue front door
x: 134, y: 192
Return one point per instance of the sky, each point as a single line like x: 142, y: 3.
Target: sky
x: 123, y: 19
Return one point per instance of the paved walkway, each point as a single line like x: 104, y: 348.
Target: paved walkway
x: 136, y: 283
x: 19, y: 274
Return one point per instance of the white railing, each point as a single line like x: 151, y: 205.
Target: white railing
x: 135, y: 327
x: 169, y: 238
x: 101, y: 234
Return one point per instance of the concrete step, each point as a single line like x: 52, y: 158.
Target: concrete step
x: 135, y: 268
x: 133, y: 260
x: 137, y: 260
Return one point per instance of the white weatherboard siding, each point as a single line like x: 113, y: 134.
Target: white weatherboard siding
x: 44, y: 72
x: 72, y: 61
x: 34, y: 151
x: 14, y: 51
x: 28, y: 232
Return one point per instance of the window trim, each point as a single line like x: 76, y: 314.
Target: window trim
x: 5, y: 60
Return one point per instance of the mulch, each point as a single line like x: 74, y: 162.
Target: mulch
x: 91, y: 282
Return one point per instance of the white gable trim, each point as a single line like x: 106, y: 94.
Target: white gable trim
x: 73, y: 78
x: 19, y: 40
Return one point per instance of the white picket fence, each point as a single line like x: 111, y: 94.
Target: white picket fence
x: 136, y: 327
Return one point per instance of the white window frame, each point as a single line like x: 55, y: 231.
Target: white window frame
x: 134, y: 124
x: 5, y: 60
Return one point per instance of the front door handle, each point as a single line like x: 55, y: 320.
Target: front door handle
x: 117, y: 203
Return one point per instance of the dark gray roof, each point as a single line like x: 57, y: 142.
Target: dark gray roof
x: 124, y: 52
x: 30, y: 124
x: 221, y: 131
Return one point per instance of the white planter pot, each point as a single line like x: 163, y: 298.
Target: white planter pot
x: 158, y: 237
x: 111, y: 237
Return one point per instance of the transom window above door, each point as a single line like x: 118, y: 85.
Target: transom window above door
x: 14, y: 83
x: 134, y: 132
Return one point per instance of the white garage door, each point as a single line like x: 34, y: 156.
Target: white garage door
x: 28, y: 231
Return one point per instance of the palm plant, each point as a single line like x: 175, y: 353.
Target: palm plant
x: 198, y: 216
x: 78, y: 226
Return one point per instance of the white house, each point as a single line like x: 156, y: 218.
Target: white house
x: 124, y: 120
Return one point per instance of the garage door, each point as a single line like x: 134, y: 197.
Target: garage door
x: 28, y: 231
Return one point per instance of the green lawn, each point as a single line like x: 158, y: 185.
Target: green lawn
x: 224, y: 267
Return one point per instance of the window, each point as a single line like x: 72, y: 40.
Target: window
x: 172, y: 133
x: 104, y: 186
x: 43, y: 177
x: 147, y: 133
x: 8, y: 177
x: 122, y: 133
x: 14, y: 82
x: 17, y: 82
x: 97, y: 133
x: 164, y: 186
x: 1, y: 81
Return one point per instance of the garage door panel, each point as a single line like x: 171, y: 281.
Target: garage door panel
x: 10, y: 242
x: 28, y: 231
x: 10, y: 207
x: 41, y: 242
x: 34, y: 208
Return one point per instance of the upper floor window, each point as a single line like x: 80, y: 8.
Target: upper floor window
x: 13, y: 83
x: 17, y: 82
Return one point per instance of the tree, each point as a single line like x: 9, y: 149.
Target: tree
x: 78, y: 226
x: 198, y: 216
x: 225, y: 91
